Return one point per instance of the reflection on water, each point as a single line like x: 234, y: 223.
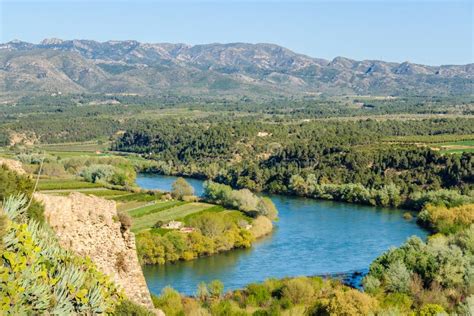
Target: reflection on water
x: 311, y: 238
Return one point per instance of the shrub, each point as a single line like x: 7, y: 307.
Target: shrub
x: 125, y: 220
x: 97, y: 173
x: 169, y: 301
x: 181, y: 188
x: 350, y: 302
x: 447, y: 220
x: 298, y: 291
x: 261, y: 226
x: 397, y: 277
x: 127, y: 307
x: 431, y: 310
x: 50, y: 270
x: 216, y: 288
x: 259, y: 294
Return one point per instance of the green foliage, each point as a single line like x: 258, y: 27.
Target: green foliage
x: 431, y: 310
x: 181, y: 188
x: 243, y: 200
x: 438, y: 271
x: 216, y: 288
x: 129, y: 308
x: 37, y: 276
x: 170, y: 302
x: 447, y: 220
x: 12, y: 183
x: 216, y: 232
x: 336, y: 153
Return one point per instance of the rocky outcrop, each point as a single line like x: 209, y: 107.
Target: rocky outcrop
x: 89, y: 226
x: 13, y: 165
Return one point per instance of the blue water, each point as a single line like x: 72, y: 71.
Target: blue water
x: 312, y: 237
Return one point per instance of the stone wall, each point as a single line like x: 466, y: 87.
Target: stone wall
x: 89, y: 226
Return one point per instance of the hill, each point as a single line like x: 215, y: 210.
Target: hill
x: 85, y: 66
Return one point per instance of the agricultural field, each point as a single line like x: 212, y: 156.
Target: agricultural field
x: 456, y: 146
x: 166, y: 213
x: 449, y: 144
x: 66, y: 184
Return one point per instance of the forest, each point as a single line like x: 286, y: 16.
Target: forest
x: 413, y: 153
x: 345, y: 161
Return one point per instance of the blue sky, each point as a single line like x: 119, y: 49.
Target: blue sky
x: 428, y: 32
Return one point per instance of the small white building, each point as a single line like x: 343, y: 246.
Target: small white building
x: 173, y: 225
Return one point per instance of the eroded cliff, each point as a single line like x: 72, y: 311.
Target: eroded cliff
x: 89, y: 226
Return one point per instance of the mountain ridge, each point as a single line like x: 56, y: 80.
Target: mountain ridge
x: 231, y: 68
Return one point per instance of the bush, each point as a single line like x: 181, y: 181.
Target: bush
x: 298, y: 291
x: 243, y: 200
x: 127, y: 307
x: 350, y: 302
x: 432, y: 310
x: 125, y: 220
x: 258, y: 294
x: 97, y: 173
x: 397, y: 277
x: 216, y: 288
x: 181, y: 188
x: 169, y: 301
x: 447, y: 220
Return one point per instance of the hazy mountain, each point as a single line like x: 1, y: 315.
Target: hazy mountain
x: 133, y: 67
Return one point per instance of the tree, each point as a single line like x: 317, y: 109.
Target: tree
x: 181, y: 188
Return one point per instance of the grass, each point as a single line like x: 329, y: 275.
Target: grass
x: 154, y: 208
x: 91, y: 146
x: 147, y: 221
x: 128, y: 206
x: 434, y: 139
x: 65, y: 184
x: 458, y: 151
x: 212, y: 209
x: 141, y: 197
x: 458, y: 143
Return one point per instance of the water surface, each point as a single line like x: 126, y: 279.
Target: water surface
x: 312, y: 237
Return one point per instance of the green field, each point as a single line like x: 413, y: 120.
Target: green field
x: 169, y: 214
x: 433, y: 139
x: 75, y: 147
x: 65, y: 184
x: 154, y: 208
x: 142, y: 197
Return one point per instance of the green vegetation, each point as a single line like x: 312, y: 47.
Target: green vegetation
x: 11, y: 183
x: 181, y: 189
x: 447, y: 220
x: 296, y: 296
x: 340, y: 160
x: 209, y: 228
x: 167, y: 214
x: 419, y: 274
x: 65, y: 184
x: 154, y: 208
x: 38, y: 276
x: 394, y: 152
x: 243, y: 200
x: 212, y: 233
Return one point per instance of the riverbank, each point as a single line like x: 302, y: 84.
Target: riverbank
x: 311, y: 237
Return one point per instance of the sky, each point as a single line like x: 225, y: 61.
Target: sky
x: 426, y: 32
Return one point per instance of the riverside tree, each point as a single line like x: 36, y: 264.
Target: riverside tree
x: 181, y: 188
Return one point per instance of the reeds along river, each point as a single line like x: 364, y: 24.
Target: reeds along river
x: 312, y: 237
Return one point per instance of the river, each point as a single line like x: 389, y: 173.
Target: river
x: 312, y: 237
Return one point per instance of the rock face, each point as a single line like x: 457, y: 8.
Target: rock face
x: 12, y: 165
x: 89, y: 226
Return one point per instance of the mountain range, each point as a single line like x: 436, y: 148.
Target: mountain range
x: 86, y: 66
